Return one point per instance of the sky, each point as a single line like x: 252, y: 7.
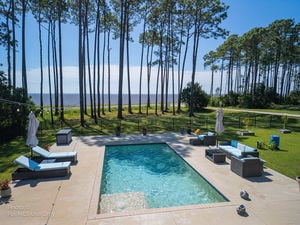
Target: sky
x: 243, y: 15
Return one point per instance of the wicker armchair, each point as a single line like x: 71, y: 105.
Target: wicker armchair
x: 247, y: 167
x: 207, y: 140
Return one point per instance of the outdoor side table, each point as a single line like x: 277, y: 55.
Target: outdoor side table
x: 63, y: 137
x: 215, y: 155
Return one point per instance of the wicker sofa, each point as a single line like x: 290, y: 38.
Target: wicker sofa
x: 247, y: 167
x: 234, y: 148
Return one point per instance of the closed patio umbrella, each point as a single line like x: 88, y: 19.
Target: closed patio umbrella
x: 219, y: 121
x: 33, y: 125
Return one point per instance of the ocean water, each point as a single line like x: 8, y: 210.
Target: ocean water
x: 73, y: 99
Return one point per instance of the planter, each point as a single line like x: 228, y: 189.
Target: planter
x: 118, y: 131
x: 298, y: 180
x: 5, y: 193
x: 244, y: 195
x: 241, y: 210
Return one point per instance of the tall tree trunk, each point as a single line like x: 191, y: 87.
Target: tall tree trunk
x: 80, y: 58
x: 141, y: 68
x: 98, y: 74
x: 49, y: 73
x: 149, y: 69
x: 24, y: 73
x: 9, y: 77
x: 212, y: 84
x: 182, y: 71
x: 55, y: 69
x: 194, y: 65
x: 283, y: 75
x: 128, y: 63
x: 96, y: 43
x: 121, y: 61
x: 60, y: 70
x: 221, y: 84
x: 14, y: 43
x: 157, y: 88
x: 108, y: 70
x: 84, y: 64
x: 173, y: 77
x: 41, y: 67
x: 161, y: 71
x: 276, y: 70
x: 89, y: 63
x: 103, y: 70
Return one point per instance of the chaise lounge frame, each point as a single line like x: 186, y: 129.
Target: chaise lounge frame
x: 24, y: 174
x: 33, y: 170
x: 58, y: 156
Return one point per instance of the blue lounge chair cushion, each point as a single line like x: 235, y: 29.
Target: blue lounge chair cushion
x: 53, y: 166
x: 27, y: 163
x: 34, y: 166
x: 47, y: 154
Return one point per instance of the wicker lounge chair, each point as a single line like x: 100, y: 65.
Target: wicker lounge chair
x: 32, y: 170
x: 58, y: 156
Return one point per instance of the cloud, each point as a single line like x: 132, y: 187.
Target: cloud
x: 71, y: 80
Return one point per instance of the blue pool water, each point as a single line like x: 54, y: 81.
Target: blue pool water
x: 157, y: 171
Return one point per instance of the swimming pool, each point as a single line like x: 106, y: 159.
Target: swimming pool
x: 156, y: 174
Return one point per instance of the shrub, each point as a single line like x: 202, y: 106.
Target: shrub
x: 200, y: 98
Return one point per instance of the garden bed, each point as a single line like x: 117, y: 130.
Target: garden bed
x: 284, y: 131
x: 245, y: 133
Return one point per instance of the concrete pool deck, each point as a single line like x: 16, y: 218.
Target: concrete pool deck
x: 274, y: 198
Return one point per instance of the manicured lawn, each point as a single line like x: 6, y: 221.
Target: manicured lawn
x: 285, y: 160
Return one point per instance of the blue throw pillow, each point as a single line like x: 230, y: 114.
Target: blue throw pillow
x: 234, y: 143
x: 210, y: 134
x: 201, y: 137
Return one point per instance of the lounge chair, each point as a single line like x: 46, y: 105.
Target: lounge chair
x: 58, y: 156
x: 31, y: 169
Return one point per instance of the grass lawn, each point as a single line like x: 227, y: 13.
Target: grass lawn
x: 285, y: 160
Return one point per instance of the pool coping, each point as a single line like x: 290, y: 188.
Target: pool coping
x: 94, y: 206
